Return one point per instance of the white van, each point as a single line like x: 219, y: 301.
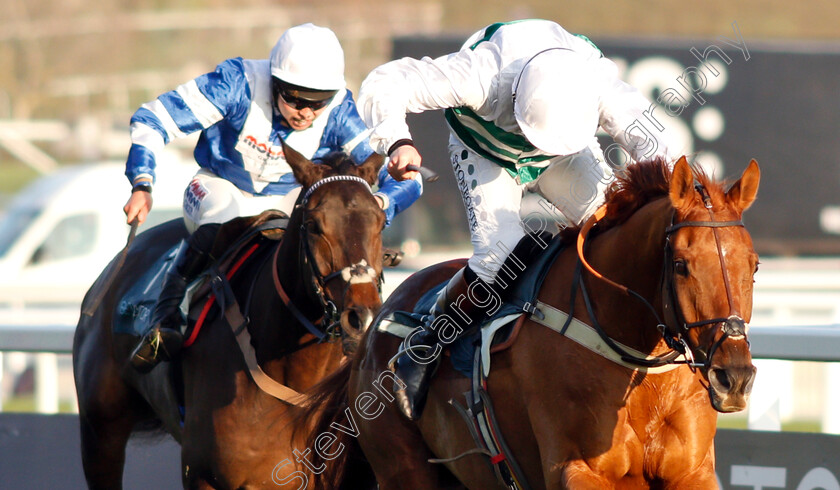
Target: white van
x: 58, y: 234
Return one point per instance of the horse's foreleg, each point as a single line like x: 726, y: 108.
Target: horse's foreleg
x: 106, y: 415
x: 400, y: 460
x: 103, y: 450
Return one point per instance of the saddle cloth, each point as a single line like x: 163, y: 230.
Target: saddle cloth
x: 135, y: 308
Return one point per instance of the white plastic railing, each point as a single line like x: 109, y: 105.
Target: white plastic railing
x: 811, y: 343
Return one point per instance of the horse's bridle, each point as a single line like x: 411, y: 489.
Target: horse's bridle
x: 675, y: 327
x: 733, y: 325
x: 353, y: 274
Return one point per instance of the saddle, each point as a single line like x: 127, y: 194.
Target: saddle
x: 497, y: 332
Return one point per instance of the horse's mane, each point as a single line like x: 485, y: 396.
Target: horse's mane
x: 638, y: 185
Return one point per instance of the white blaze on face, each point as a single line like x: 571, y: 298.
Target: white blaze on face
x: 359, y: 273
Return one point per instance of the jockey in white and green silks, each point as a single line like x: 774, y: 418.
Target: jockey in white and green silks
x: 521, y: 99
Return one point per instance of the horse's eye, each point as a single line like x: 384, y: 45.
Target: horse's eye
x: 756, y: 267
x: 680, y: 267
x: 312, y: 226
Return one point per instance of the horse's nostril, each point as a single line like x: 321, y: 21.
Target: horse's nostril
x: 722, y: 379
x: 353, y: 319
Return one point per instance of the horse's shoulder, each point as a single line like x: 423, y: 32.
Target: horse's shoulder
x: 439, y: 272
x: 416, y: 285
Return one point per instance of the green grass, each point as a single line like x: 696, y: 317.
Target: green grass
x: 802, y: 426
x: 26, y: 404
x: 731, y: 422
x: 739, y: 421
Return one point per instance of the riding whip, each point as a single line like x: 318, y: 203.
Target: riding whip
x: 111, y: 273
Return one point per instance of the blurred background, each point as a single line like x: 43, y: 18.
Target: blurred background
x: 74, y: 72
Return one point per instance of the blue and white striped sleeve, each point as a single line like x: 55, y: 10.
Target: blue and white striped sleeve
x: 397, y: 195
x: 351, y: 135
x: 193, y: 106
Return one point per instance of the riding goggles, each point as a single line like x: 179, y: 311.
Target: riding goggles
x: 300, y: 98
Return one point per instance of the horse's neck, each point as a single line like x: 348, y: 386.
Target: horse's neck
x: 282, y: 343
x: 632, y: 255
x: 273, y: 326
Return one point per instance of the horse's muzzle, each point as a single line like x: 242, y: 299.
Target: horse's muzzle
x: 730, y: 387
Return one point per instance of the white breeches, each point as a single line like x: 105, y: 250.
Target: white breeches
x: 500, y: 211
x: 212, y: 199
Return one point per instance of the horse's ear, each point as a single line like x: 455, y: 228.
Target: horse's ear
x: 682, y: 185
x: 369, y: 170
x: 743, y: 192
x: 306, y: 172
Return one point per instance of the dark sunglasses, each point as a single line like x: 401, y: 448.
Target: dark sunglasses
x: 300, y: 104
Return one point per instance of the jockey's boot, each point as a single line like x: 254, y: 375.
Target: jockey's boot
x: 163, y: 342
x: 452, y: 316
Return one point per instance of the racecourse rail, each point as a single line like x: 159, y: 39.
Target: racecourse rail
x: 799, y: 343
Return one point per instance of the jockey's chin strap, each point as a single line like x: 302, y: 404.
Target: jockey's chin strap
x: 732, y: 326
x: 356, y: 273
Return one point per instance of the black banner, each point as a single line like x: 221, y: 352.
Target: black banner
x: 764, y: 460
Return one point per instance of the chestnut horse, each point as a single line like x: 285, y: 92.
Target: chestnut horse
x: 667, y: 274
x: 232, y: 434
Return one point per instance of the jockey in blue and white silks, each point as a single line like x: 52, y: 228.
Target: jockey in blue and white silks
x: 240, y: 140
x: 244, y: 110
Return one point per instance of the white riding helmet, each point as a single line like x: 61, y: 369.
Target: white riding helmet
x: 556, y: 100
x: 309, y: 56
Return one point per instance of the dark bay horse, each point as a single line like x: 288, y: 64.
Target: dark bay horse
x: 671, y: 270
x: 234, y: 435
